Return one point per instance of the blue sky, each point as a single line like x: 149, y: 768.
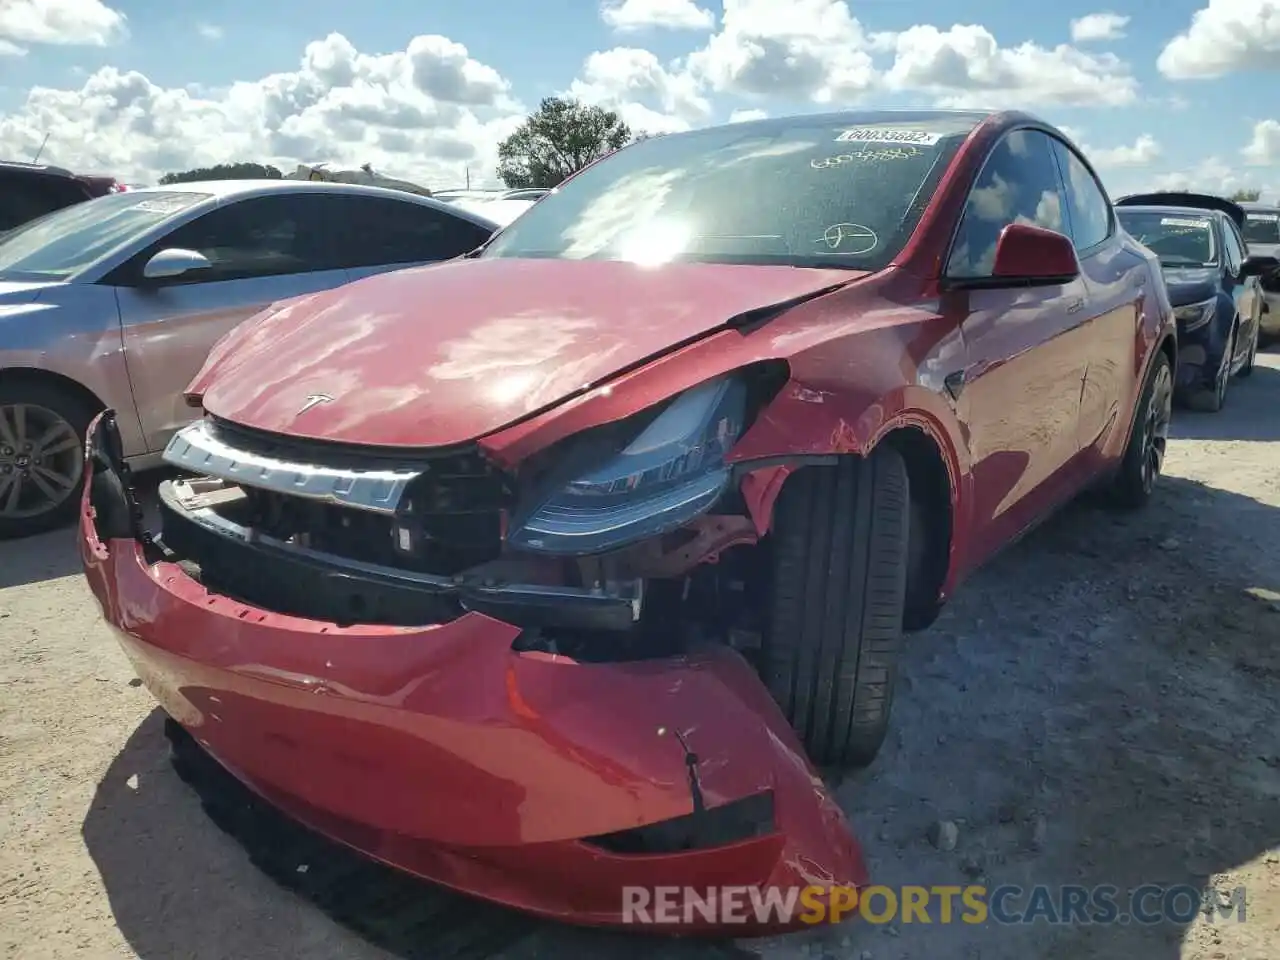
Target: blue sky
x: 1195, y: 122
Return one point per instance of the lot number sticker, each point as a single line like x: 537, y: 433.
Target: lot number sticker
x: 1180, y: 222
x: 922, y: 138
x: 1264, y: 217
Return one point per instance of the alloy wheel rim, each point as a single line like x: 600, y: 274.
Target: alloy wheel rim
x: 1224, y: 369
x: 41, y: 461
x: 1155, y: 438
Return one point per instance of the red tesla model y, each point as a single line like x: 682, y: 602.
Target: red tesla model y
x: 557, y: 567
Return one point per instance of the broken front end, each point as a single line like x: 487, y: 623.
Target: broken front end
x: 533, y: 684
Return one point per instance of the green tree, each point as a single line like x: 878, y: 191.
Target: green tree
x: 558, y: 140
x: 1247, y: 195
x: 225, y: 171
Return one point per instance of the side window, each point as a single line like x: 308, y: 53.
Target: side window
x: 379, y: 232
x: 1233, y: 247
x: 258, y: 237
x: 1019, y: 183
x: 1088, y: 209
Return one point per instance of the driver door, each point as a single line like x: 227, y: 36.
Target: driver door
x: 1026, y: 349
x: 261, y: 249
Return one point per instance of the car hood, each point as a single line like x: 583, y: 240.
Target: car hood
x: 1190, y: 284
x: 443, y: 354
x: 21, y: 291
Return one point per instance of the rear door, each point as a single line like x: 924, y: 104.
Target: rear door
x: 1246, y: 292
x: 1025, y: 351
x: 1115, y: 284
x: 262, y: 249
x: 381, y: 234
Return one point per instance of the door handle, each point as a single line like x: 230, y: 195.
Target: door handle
x: 1076, y: 305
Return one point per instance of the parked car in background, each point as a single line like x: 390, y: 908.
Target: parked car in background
x: 532, y: 517
x: 1262, y: 236
x: 115, y: 302
x: 30, y: 190
x: 525, y: 193
x: 501, y: 211
x: 1213, y: 285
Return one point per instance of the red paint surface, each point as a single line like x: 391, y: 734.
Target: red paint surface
x: 352, y: 730
x: 442, y: 752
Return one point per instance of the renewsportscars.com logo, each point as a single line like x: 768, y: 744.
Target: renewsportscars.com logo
x: 973, y: 904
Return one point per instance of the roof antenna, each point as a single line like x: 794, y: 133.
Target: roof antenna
x: 41, y: 150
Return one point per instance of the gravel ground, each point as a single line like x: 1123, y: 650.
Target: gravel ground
x: 1097, y: 707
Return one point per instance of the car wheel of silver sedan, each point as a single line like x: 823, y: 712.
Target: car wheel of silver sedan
x: 41, y: 457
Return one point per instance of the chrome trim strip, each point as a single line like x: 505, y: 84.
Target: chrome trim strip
x: 195, y: 448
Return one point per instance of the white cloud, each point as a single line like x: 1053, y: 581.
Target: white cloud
x: 1264, y: 147
x: 1225, y: 35
x: 647, y: 95
x: 1144, y: 151
x: 964, y: 66
x: 422, y: 113
x: 1094, y: 27
x: 814, y: 50
x: 209, y: 31
x: 745, y: 116
x: 62, y: 22
x: 630, y: 15
x: 8, y: 49
x: 1212, y: 175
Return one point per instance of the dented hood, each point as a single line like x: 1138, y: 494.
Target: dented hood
x: 443, y: 354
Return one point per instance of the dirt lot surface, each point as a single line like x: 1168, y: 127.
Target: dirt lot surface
x: 1098, y: 707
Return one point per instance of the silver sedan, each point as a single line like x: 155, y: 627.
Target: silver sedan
x: 116, y: 302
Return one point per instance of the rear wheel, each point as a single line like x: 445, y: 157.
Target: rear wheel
x: 839, y: 569
x: 42, y: 435
x: 1144, y: 456
x: 1213, y: 398
x: 1247, y: 369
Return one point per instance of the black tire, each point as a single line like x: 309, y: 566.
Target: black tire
x: 839, y: 568
x: 1213, y: 398
x: 50, y: 401
x: 1247, y: 369
x: 1144, y: 456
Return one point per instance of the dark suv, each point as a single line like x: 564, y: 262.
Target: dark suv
x: 30, y: 190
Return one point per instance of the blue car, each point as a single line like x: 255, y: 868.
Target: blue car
x: 1213, y: 285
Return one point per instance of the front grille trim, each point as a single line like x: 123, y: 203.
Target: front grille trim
x: 198, y: 448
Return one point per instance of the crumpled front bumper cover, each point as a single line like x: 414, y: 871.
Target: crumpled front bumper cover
x: 523, y: 778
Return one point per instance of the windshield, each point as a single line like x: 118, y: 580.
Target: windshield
x: 1262, y: 227
x: 808, y: 192
x: 1179, y: 240
x: 68, y: 240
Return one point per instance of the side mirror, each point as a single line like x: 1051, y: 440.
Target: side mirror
x: 1258, y: 266
x: 1032, y: 256
x: 174, y: 262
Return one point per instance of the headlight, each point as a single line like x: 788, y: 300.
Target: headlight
x: 670, y: 473
x: 1195, y: 315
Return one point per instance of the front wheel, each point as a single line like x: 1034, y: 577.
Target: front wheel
x: 42, y: 436
x: 1144, y: 456
x: 839, y: 576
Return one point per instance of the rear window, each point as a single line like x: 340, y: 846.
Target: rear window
x: 800, y: 192
x: 1262, y: 228
x: 65, y: 242
x: 1178, y: 239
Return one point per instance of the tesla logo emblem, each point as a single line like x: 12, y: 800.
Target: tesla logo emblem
x: 314, y: 401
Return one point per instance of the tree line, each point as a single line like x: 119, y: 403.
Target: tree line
x: 557, y: 140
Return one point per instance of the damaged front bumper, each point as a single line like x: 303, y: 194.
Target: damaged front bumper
x: 526, y: 778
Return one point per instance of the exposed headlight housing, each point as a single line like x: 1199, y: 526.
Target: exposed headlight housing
x: 1195, y: 315
x: 671, y: 472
